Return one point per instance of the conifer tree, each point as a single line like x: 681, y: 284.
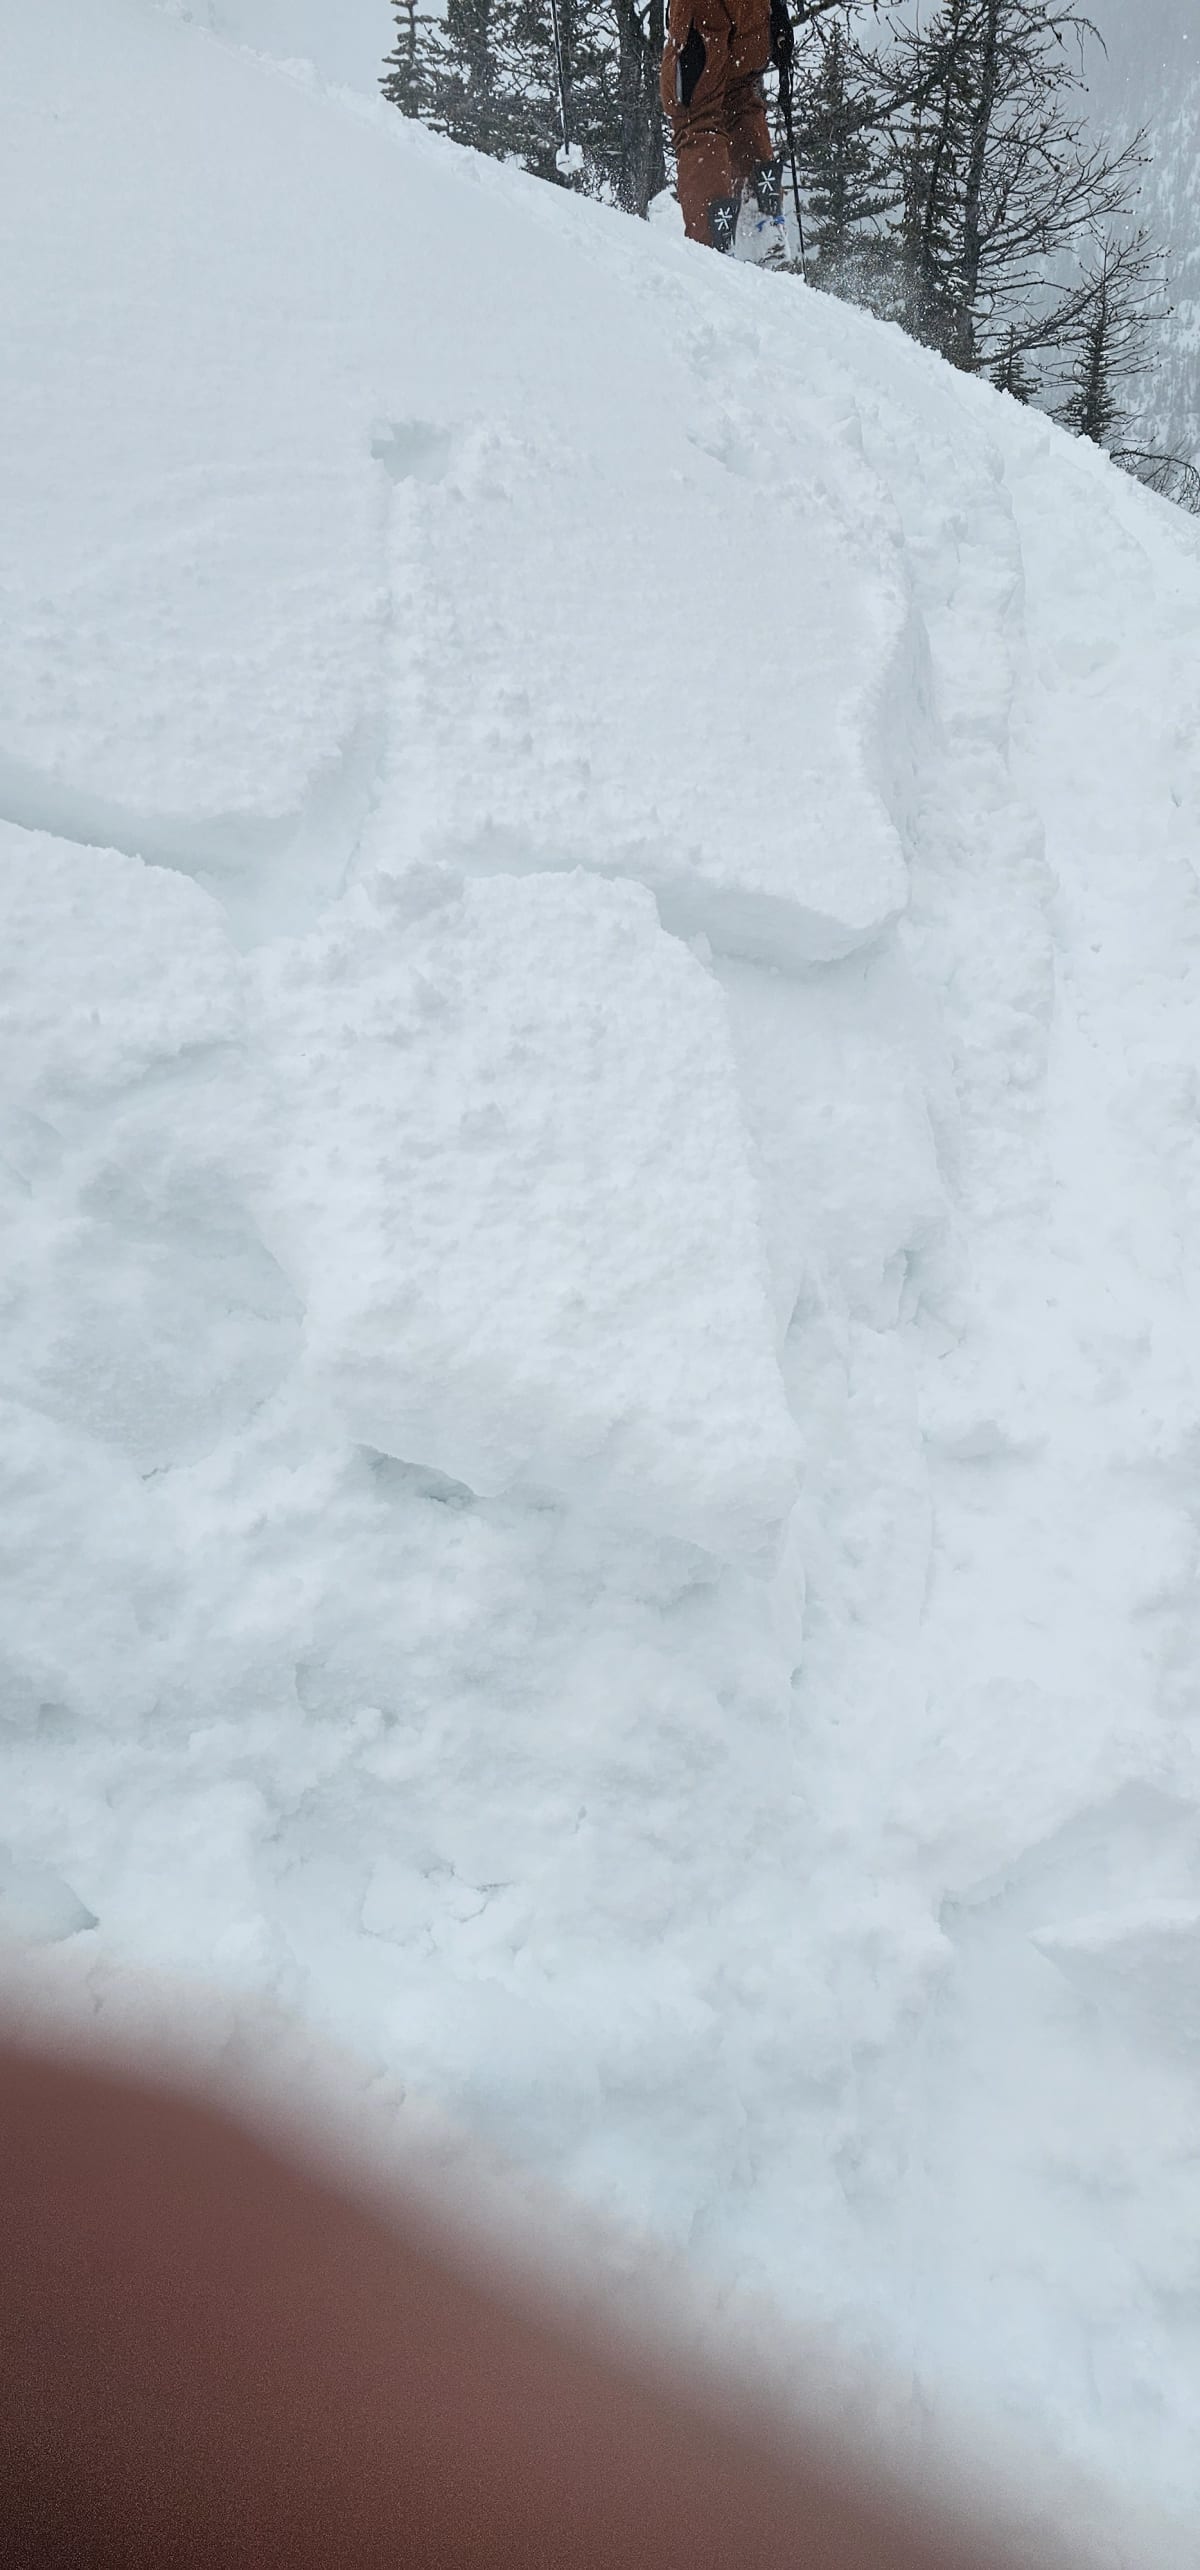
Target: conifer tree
x: 406, y: 77
x: 1120, y: 309
x: 999, y: 175
x: 1013, y: 372
x: 843, y: 159
x: 487, y: 74
x: 479, y: 74
x: 637, y: 165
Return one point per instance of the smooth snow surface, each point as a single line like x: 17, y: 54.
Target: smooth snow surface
x: 599, y: 1143
x: 343, y: 40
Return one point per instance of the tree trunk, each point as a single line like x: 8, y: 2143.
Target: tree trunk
x: 980, y: 130
x: 563, y: 13
x: 1095, y: 409
x: 933, y: 207
x: 642, y: 165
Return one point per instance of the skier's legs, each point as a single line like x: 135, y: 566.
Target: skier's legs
x: 716, y: 52
x: 751, y: 150
x: 704, y: 173
x: 694, y: 76
x: 756, y: 174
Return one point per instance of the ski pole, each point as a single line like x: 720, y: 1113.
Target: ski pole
x: 785, y: 100
x: 569, y: 158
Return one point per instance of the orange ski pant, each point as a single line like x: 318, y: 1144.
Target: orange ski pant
x: 720, y: 126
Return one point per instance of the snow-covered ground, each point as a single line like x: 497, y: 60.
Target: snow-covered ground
x: 343, y: 40
x: 600, y: 1153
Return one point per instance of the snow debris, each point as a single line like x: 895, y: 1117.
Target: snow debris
x: 600, y: 1163
x: 518, y: 1206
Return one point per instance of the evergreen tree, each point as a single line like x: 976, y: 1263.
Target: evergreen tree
x: 927, y: 86
x: 487, y: 74
x: 406, y: 73
x: 998, y: 174
x: 481, y: 74
x: 1119, y: 313
x: 842, y: 157
x: 1012, y: 372
x: 637, y: 166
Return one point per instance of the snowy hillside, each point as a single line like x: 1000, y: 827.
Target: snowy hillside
x: 344, y: 40
x: 600, y: 1156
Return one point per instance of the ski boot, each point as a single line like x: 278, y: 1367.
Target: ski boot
x: 722, y: 222
x: 768, y: 243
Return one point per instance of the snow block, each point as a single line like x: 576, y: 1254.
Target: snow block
x: 1142, y: 1962
x: 516, y: 1201
x: 83, y: 1587
x: 246, y: 586
x: 654, y: 684
x: 138, y: 1304
x: 109, y: 970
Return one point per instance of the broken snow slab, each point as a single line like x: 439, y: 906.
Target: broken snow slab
x: 112, y: 973
x: 138, y: 1306
x: 513, y: 1192
x: 562, y: 710
x: 189, y: 552
x: 1141, y: 1962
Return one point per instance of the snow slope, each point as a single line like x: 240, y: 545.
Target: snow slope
x: 599, y: 1158
x: 343, y: 40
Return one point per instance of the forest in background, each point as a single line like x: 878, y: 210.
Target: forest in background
x: 948, y: 166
